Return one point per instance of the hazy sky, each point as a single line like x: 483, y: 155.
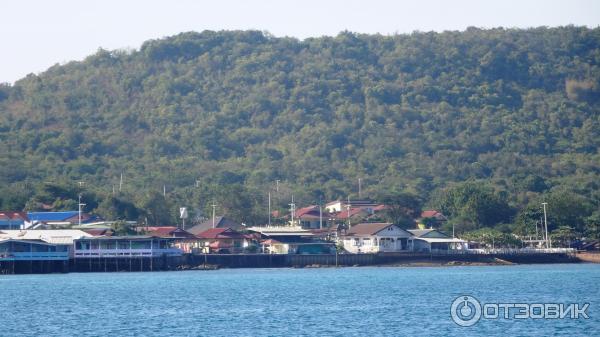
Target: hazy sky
x: 38, y: 34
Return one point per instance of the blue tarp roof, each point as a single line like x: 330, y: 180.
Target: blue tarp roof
x: 51, y: 216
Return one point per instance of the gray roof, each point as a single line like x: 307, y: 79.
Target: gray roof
x: 429, y: 233
x: 369, y: 228
x: 220, y: 222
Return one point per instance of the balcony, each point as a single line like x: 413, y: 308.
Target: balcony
x: 106, y: 253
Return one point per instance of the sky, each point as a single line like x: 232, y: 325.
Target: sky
x: 39, y: 34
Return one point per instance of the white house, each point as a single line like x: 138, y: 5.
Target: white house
x: 339, y: 205
x: 375, y: 238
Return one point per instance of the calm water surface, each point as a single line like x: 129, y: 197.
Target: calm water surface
x: 292, y: 302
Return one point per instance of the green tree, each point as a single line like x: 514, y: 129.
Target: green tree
x: 157, y: 210
x: 122, y: 228
x: 402, y: 208
x: 563, y: 236
x: 114, y: 208
x: 475, y: 203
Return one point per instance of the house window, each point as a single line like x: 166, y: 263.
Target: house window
x: 356, y: 242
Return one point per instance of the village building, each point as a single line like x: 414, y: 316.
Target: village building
x: 48, y: 241
x: 430, y: 217
x: 311, y: 217
x: 291, y: 240
x: 165, y: 232
x: 48, y: 220
x: 223, y: 241
x: 428, y: 240
x: 219, y: 222
x: 13, y: 220
x: 32, y: 250
x: 342, y: 205
x: 124, y: 247
x: 376, y: 238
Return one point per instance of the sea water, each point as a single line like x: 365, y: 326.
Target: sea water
x: 361, y: 301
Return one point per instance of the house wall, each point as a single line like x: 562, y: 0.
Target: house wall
x: 421, y: 245
x: 376, y: 244
x: 311, y: 224
x: 336, y: 207
x: 12, y: 224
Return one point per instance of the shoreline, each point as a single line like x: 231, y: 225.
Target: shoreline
x: 231, y: 261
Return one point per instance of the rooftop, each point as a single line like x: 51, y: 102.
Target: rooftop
x: 58, y: 236
x: 368, y: 228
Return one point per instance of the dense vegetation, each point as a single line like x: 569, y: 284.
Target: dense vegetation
x: 483, y: 124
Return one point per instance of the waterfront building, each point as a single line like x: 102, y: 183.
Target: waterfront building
x: 311, y: 217
x: 59, y: 219
x: 427, y: 240
x: 62, y: 237
x: 376, y: 238
x: 292, y: 240
x: 219, y: 222
x: 31, y: 250
x: 13, y: 220
x: 125, y: 247
x: 224, y: 241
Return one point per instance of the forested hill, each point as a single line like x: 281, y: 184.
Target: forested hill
x: 515, y: 109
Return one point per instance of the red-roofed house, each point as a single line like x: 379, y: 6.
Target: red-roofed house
x: 166, y: 232
x: 186, y: 241
x: 223, y: 241
x: 437, y: 217
x: 310, y: 217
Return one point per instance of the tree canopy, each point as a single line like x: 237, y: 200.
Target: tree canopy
x: 220, y: 116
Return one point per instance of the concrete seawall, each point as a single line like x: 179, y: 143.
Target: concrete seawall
x: 189, y: 261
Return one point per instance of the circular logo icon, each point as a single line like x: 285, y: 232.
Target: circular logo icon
x: 465, y: 310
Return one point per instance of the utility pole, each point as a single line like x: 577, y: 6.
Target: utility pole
x: 80, y: 206
x: 277, y: 185
x: 320, y: 213
x: 292, y: 209
x: 546, y: 225
x: 164, y: 190
x: 269, y: 225
x: 537, y: 235
x: 121, y: 182
x: 348, y: 210
x: 213, y: 215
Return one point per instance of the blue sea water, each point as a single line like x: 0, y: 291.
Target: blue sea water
x: 363, y: 301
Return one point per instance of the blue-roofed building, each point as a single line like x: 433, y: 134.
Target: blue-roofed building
x: 60, y: 218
